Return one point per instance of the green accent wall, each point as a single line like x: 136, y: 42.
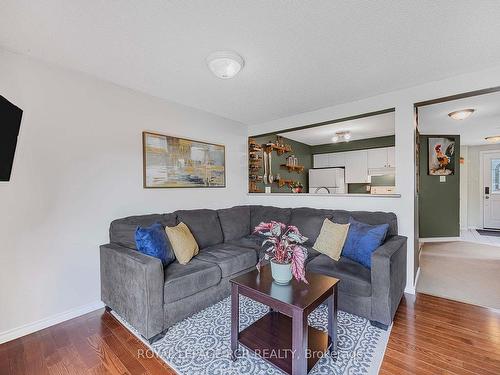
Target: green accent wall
x: 360, y: 188
x: 304, y: 156
x: 362, y: 144
x: 357, y: 188
x: 438, y: 202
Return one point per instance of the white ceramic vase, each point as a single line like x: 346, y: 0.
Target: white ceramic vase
x: 281, y: 272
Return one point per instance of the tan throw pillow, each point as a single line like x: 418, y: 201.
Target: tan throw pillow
x: 183, y: 242
x: 331, y: 239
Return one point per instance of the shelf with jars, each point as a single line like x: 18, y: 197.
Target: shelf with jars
x: 293, y: 168
x: 279, y: 146
x: 255, y: 162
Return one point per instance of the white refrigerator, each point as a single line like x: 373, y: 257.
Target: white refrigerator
x: 327, y: 181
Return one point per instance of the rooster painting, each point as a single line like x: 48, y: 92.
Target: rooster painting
x: 441, y: 156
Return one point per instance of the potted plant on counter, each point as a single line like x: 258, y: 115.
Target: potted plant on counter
x: 284, y: 250
x: 296, y: 187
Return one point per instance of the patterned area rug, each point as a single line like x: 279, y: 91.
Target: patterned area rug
x: 200, y: 344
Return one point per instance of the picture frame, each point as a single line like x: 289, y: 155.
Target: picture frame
x: 174, y: 162
x: 441, y: 156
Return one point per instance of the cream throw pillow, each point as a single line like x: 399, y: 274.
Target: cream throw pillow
x: 183, y: 242
x: 331, y: 239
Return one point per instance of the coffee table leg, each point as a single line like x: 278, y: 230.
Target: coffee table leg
x: 235, y: 320
x: 332, y: 321
x: 299, y: 343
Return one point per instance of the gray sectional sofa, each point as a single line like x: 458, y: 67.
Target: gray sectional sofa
x: 152, y: 298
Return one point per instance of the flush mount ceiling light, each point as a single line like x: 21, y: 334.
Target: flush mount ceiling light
x: 493, y: 139
x: 341, y: 137
x: 461, y: 114
x: 225, y: 64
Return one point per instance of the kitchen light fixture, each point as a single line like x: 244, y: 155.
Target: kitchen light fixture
x: 225, y: 64
x: 344, y: 136
x: 461, y: 114
x: 493, y: 139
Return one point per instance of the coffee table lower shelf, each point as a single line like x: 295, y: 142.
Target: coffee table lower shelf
x: 271, y: 338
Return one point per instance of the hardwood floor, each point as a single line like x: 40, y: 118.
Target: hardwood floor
x: 430, y: 336
x: 95, y: 344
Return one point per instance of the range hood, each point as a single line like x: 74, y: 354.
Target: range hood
x: 381, y: 171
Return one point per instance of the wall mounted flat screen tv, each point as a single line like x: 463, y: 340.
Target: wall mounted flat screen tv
x: 10, y: 122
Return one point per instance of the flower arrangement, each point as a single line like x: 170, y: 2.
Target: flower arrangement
x: 285, y: 246
x: 296, y: 187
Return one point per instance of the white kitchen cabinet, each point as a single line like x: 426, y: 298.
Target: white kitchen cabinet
x: 321, y: 160
x: 337, y: 159
x: 377, y: 158
x: 356, y: 166
x: 391, y: 157
x: 381, y: 158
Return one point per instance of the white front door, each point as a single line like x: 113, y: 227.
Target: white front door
x: 491, y: 190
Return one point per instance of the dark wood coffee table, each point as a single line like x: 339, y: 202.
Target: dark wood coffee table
x: 282, y: 337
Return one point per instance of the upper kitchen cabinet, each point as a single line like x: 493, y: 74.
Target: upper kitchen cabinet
x: 377, y: 158
x: 321, y: 161
x: 331, y: 160
x: 356, y: 167
x: 381, y: 158
x: 391, y: 157
x: 337, y: 159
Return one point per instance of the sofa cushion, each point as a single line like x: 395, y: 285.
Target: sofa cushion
x: 354, y: 278
x: 122, y: 231
x: 362, y: 240
x: 235, y: 222
x: 309, y: 221
x: 367, y: 217
x: 204, y: 224
x: 331, y: 239
x: 229, y: 258
x: 182, y: 281
x: 252, y: 242
x: 259, y: 214
x: 183, y: 243
x: 153, y: 241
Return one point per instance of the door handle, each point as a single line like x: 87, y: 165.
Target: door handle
x: 487, y: 197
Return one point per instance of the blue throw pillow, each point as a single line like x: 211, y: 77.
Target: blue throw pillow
x: 153, y: 241
x: 362, y: 240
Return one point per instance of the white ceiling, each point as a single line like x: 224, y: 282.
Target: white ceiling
x: 362, y: 128
x: 484, y: 122
x: 300, y: 55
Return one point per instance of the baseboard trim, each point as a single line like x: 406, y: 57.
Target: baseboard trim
x: 410, y: 290
x: 38, y: 325
x: 439, y: 239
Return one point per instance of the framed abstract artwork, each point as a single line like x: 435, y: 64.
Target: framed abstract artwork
x: 441, y: 156
x: 171, y: 162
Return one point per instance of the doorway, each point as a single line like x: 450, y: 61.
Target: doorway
x: 491, y: 189
x: 459, y: 197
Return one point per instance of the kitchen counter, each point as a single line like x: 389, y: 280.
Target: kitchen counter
x: 326, y: 195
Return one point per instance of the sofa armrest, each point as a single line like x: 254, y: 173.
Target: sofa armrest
x: 388, y: 278
x: 132, y: 285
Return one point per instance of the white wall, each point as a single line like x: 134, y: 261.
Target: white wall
x: 78, y: 165
x: 474, y: 184
x: 403, y: 101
